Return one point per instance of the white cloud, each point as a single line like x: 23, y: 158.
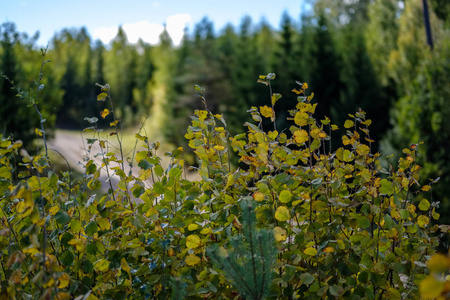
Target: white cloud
x: 175, y: 26
x: 105, y: 34
x: 148, y: 32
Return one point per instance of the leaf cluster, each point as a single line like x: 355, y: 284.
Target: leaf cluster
x: 294, y: 219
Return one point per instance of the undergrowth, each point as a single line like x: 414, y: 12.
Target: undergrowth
x: 293, y: 219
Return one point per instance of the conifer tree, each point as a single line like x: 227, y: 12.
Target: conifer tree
x: 248, y: 257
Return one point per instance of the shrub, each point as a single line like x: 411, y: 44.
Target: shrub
x: 341, y: 225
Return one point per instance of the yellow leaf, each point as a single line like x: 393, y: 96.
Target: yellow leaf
x: 114, y: 124
x: 258, y: 196
x: 430, y: 287
x: 78, y: 243
x: 362, y: 149
x: 348, y: 123
x: 192, y: 227
x: 104, y: 113
x: 301, y: 118
x: 63, y: 296
x: 192, y: 260
x: 266, y: 111
x: 279, y: 234
x: 53, y: 210
x: 300, y: 136
x: 219, y: 147
x: 102, y: 265
x: 285, y: 196
x: 305, y: 86
x: 124, y: 265
x: 422, y: 220
x: 49, y: 283
x: 193, y: 241
x: 310, y: 251
x: 63, y: 281
x: 282, y: 214
x: 439, y: 263
x: 104, y: 224
x: 30, y: 250
x: 426, y: 188
x: 205, y: 231
x: 171, y: 252
x: 315, y: 133
x: 102, y: 96
x: 39, y: 132
x: 328, y: 250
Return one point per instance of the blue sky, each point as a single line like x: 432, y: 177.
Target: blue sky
x: 139, y: 18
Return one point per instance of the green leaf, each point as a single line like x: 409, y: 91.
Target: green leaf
x: 62, y: 217
x: 307, y: 278
x: 67, y: 258
x: 91, y: 228
x: 388, y: 222
x: 363, y: 222
x: 386, y: 187
x: 285, y: 196
x: 424, y: 204
x: 336, y: 290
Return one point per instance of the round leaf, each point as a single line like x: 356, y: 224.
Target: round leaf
x: 282, y: 214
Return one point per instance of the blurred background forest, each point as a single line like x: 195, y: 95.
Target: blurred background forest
x: 364, y: 54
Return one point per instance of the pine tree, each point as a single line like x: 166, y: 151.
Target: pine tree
x: 248, y: 257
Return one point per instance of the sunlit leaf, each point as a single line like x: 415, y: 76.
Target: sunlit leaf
x: 258, y: 196
x: 104, y: 113
x: 102, y: 96
x: 424, y: 204
x: 310, y: 251
x: 279, y: 234
x: 63, y: 281
x: 124, y: 265
x: 301, y: 118
x: 101, y: 265
x: 430, y: 287
x: 193, y: 241
x: 300, y: 136
x: 285, y: 196
x: 282, y: 214
x: 348, y: 124
x: 192, y: 260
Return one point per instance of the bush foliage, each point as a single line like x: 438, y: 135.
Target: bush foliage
x: 293, y: 219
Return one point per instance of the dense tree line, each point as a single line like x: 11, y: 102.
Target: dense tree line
x: 353, y: 54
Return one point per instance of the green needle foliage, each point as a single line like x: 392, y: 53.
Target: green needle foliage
x: 248, y: 257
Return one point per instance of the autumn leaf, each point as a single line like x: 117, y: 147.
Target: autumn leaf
x: 192, y: 260
x: 300, y: 136
x: 266, y: 111
x: 301, y: 118
x: 282, y: 214
x: 104, y: 113
x: 279, y: 234
x: 258, y: 196
x: 311, y: 251
x: 193, y: 241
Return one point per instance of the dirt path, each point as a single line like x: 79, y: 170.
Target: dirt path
x: 70, y: 144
